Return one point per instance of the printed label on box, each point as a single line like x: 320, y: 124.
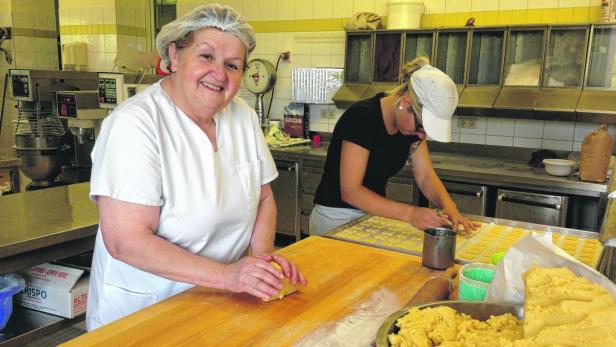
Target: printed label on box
x: 55, y: 289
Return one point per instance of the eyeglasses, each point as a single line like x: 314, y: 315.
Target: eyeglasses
x: 418, y: 125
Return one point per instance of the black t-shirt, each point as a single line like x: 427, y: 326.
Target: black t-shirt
x: 363, y: 125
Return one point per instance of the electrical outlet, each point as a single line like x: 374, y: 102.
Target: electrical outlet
x: 327, y: 114
x: 467, y: 123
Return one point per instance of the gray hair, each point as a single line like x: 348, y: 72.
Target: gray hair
x: 217, y: 16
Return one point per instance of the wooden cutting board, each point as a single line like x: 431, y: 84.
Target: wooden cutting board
x: 351, y: 289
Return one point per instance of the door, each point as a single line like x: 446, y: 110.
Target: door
x: 286, y: 193
x: 469, y: 198
x: 532, y: 207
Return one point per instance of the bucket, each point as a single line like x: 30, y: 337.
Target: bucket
x: 439, y: 248
x: 10, y: 284
x: 475, y: 279
x: 404, y: 14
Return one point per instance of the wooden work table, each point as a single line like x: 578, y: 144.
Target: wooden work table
x: 348, y: 284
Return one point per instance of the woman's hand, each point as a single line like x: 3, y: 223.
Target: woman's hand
x: 256, y: 276
x: 289, y: 270
x: 423, y: 218
x: 456, y: 219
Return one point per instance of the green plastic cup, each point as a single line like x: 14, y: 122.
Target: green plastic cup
x: 474, y: 281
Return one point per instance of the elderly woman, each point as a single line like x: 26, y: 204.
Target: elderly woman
x: 181, y: 175
x: 371, y: 142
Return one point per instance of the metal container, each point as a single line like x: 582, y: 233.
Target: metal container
x: 477, y: 310
x: 31, y: 142
x: 40, y: 165
x: 439, y: 248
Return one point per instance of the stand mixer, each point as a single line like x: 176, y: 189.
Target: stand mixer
x: 84, y: 119
x: 41, y: 140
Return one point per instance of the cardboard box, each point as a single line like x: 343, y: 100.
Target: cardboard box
x: 55, y: 289
x: 294, y: 125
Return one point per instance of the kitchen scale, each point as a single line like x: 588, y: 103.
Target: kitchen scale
x: 259, y: 78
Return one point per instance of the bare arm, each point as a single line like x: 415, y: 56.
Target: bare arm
x: 353, y: 164
x: 262, y: 241
x: 128, y: 232
x: 432, y: 187
x: 264, y: 233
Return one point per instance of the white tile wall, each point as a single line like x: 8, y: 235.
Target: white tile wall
x: 473, y: 138
x: 500, y: 126
x: 528, y: 128
x: 558, y: 131
x: 498, y: 140
x: 557, y: 145
x: 526, y: 142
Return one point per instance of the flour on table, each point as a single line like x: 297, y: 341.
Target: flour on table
x: 357, y: 329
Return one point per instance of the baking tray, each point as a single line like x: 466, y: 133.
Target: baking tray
x: 495, y: 235
x: 385, y: 233
x: 477, y: 310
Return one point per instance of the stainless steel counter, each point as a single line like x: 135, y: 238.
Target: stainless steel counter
x: 12, y: 164
x: 475, y: 169
x: 45, y: 225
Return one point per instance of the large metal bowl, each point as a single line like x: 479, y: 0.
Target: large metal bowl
x: 477, y: 310
x: 40, y: 165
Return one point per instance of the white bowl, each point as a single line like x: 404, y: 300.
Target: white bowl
x: 558, y: 167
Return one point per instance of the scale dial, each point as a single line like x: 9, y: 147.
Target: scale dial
x: 260, y: 76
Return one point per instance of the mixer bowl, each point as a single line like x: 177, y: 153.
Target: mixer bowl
x: 41, y: 157
x: 40, y: 165
x: 28, y: 142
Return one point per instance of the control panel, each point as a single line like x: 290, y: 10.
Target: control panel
x: 22, y: 85
x: 110, y: 89
x: 67, y: 105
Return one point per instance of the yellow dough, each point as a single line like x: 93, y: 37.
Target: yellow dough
x: 287, y: 287
x: 560, y: 309
x: 564, y: 309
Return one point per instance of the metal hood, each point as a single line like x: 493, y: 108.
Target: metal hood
x: 478, y: 100
x: 349, y: 93
x: 516, y: 102
x: 556, y: 104
x: 597, y: 106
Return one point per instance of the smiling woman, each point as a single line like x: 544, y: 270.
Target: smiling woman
x: 181, y: 174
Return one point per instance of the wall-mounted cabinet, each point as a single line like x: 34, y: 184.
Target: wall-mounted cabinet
x: 484, y: 72
x: 562, y: 72
x: 418, y: 44
x: 451, y: 54
x: 387, y: 54
x: 358, y: 57
x: 522, y: 72
x: 598, y: 101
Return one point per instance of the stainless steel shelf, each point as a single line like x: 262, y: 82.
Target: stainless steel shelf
x: 27, y: 325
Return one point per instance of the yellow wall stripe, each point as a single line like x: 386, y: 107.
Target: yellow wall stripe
x: 456, y: 19
x: 48, y: 34
x: 100, y: 29
x: 432, y: 20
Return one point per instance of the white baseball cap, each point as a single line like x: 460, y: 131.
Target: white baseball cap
x: 435, y: 98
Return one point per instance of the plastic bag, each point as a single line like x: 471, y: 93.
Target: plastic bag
x: 364, y: 21
x: 595, y: 155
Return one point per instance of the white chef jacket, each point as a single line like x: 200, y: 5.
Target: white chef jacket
x: 149, y: 152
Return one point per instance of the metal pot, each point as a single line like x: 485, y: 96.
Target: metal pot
x: 439, y: 248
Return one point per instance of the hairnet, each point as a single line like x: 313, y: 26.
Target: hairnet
x: 217, y: 16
